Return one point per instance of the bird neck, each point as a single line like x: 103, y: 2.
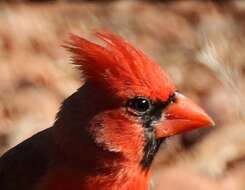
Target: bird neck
x: 124, y: 179
x: 88, y: 167
x: 84, y: 164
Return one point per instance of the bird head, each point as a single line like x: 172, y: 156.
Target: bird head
x: 133, y: 104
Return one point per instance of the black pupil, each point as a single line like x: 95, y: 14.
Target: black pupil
x: 139, y: 104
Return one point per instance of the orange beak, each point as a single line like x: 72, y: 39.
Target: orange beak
x: 180, y: 116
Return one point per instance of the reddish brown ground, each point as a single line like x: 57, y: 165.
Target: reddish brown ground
x: 200, y: 43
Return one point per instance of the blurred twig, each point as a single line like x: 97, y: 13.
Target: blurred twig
x: 227, y: 73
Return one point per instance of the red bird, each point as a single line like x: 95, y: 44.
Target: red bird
x: 108, y: 132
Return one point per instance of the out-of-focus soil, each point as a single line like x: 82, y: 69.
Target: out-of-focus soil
x: 199, y: 43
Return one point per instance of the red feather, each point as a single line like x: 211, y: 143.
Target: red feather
x: 120, y: 67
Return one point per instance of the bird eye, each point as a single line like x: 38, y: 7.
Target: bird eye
x: 139, y: 104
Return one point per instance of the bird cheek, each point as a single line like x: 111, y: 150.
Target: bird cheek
x: 116, y: 132
x: 182, y: 115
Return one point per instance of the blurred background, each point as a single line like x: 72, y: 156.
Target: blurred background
x: 199, y: 43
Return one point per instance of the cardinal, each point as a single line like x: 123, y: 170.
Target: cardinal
x: 108, y: 132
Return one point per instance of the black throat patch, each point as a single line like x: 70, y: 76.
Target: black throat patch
x: 151, y: 148
x: 152, y: 144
